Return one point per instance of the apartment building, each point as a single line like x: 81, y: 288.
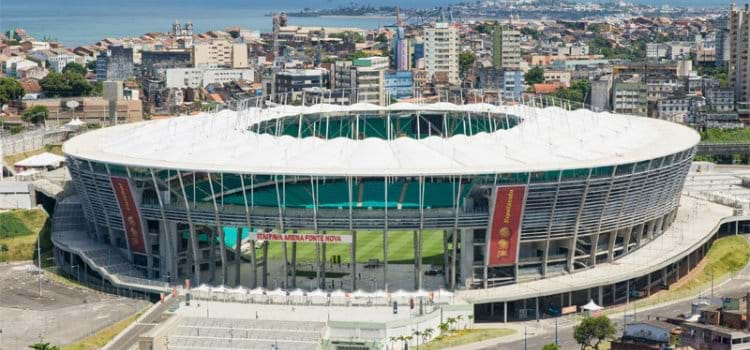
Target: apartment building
x: 363, y: 77
x: 506, y: 48
x: 220, y: 53
x: 195, y: 78
x: 441, y: 51
x: 739, y: 44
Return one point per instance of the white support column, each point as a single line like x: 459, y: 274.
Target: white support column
x: 171, y: 261
x: 248, y: 215
x: 220, y: 229
x: 385, y: 235
x: 196, y: 270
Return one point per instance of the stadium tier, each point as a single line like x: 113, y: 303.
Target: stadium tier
x: 519, y: 193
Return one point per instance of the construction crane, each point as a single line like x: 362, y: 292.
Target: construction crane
x: 399, y: 20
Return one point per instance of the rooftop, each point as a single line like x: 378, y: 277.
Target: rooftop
x: 546, y: 140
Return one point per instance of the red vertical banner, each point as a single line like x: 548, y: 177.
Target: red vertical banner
x: 131, y: 219
x: 504, y: 230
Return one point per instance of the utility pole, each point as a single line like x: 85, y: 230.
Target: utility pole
x: 39, y: 259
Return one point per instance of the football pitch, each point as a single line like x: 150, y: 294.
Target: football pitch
x: 370, y: 246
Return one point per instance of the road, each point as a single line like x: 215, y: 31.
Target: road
x: 735, y: 287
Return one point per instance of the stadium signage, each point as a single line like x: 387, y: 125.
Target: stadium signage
x: 300, y: 237
x: 131, y: 219
x: 505, y: 225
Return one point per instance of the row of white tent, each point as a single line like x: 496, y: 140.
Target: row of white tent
x: 318, y: 296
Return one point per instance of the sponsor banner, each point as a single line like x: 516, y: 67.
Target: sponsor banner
x: 300, y: 237
x: 505, y: 225
x: 131, y: 218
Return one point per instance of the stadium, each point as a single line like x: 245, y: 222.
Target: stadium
x: 552, y: 191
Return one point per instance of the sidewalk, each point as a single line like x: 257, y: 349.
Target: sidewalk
x: 546, y: 326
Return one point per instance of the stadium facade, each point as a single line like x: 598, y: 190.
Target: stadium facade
x: 520, y: 193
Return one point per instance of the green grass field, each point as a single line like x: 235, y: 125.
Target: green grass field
x: 370, y: 246
x: 18, y: 234
x: 465, y: 336
x: 726, y: 255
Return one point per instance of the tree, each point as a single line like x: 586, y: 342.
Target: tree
x: 551, y: 347
x: 427, y: 334
x: 577, y: 92
x: 532, y: 32
x: 35, y: 114
x: 451, y: 321
x: 43, y: 346
x: 357, y: 54
x: 592, y: 331
x: 444, y: 327
x: 66, y: 85
x: 466, y: 59
x: 534, y: 76
x: 418, y: 334
x: 75, y: 68
x: 10, y: 89
x: 91, y: 65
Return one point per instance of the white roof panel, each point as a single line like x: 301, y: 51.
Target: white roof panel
x: 546, y: 139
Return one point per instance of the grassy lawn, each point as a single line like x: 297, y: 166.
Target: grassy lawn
x: 18, y: 233
x: 370, y: 246
x: 10, y: 160
x: 726, y: 256
x: 466, y: 336
x: 102, y: 337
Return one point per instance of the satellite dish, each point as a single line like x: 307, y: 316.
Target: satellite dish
x: 72, y: 104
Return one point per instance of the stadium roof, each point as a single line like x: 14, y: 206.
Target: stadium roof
x: 547, y: 139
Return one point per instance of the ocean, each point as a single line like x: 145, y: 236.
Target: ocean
x: 81, y: 22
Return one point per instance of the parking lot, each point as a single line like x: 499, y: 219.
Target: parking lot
x: 61, y: 315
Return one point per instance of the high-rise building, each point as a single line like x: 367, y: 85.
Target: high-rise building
x: 506, y: 48
x: 364, y: 78
x: 220, y: 53
x: 739, y: 44
x: 115, y: 64
x: 401, y: 52
x: 441, y: 51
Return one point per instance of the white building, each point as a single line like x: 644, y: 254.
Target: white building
x: 57, y: 58
x: 200, y: 77
x: 441, y: 51
x: 657, y: 50
x: 15, y: 66
x: 365, y: 77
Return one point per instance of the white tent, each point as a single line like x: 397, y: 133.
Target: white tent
x: 42, y: 160
x: 75, y: 123
x: 258, y: 295
x: 318, y: 297
x: 338, y: 297
x: 591, y: 306
x: 277, y: 296
x: 298, y: 296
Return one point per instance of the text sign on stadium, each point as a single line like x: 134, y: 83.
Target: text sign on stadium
x: 300, y: 237
x: 131, y: 219
x: 505, y: 225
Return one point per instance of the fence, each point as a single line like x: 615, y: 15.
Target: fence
x: 32, y: 140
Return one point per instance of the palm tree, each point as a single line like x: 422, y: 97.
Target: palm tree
x: 417, y: 335
x: 43, y: 346
x: 443, y: 326
x: 427, y: 334
x: 451, y: 321
x: 392, y: 339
